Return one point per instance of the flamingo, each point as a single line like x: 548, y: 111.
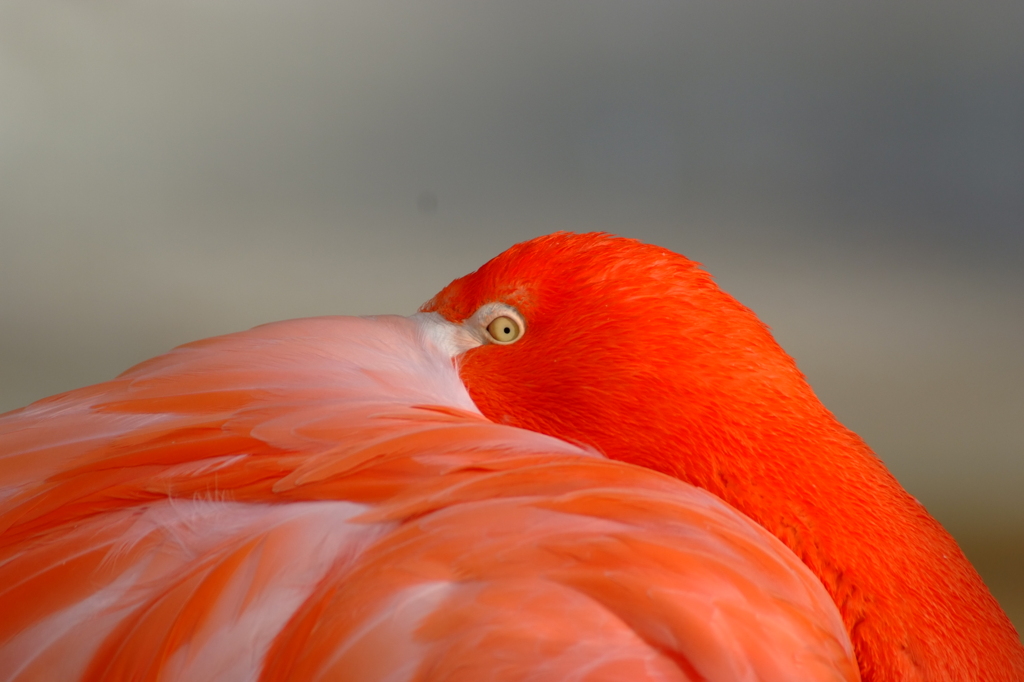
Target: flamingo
x: 583, y: 461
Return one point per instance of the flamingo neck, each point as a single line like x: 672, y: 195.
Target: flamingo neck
x: 914, y: 606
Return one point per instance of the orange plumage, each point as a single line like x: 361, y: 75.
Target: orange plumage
x: 322, y: 499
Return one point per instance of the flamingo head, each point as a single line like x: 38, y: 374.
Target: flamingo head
x: 623, y: 347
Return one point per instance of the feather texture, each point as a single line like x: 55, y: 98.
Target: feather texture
x: 320, y: 499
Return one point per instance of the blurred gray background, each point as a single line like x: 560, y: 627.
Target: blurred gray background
x: 854, y: 172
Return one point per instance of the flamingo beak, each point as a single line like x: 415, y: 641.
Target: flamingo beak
x: 452, y: 339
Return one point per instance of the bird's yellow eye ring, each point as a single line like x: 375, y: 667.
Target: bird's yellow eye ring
x: 504, y: 330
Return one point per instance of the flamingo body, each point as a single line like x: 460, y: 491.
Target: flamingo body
x: 583, y: 461
x: 320, y: 499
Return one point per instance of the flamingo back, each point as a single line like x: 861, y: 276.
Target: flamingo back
x: 320, y: 499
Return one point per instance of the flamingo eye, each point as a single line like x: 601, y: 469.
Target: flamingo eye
x: 504, y: 330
